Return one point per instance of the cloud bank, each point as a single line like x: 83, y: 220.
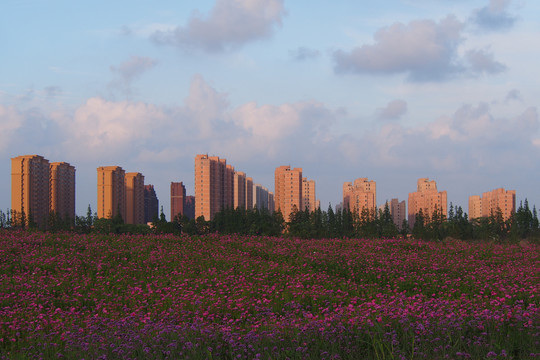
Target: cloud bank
x: 230, y: 25
x: 424, y: 50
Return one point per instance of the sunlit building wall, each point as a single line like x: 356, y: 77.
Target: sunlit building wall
x: 111, y: 192
x: 288, y: 190
x: 30, y: 195
x: 427, y: 198
x: 62, y: 189
x: 360, y: 195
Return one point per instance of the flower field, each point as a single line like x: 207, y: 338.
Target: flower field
x: 231, y: 297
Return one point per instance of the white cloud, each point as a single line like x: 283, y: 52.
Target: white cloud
x: 99, y: 127
x: 424, y: 49
x: 230, y: 24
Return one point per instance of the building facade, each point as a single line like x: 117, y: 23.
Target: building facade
x: 309, y: 200
x: 360, y: 195
x: 151, y: 204
x: 288, y: 190
x: 189, y: 207
x: 111, y: 192
x: 134, y: 198
x: 214, y: 186
x: 62, y: 189
x: 428, y: 199
x: 249, y: 193
x: 398, y: 211
x: 239, y: 189
x: 178, y: 199
x: 491, y: 202
x: 30, y: 189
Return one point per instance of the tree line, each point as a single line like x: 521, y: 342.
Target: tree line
x: 369, y: 223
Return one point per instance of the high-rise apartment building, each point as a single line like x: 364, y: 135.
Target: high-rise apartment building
x: 249, y: 193
x: 271, y: 202
x: 151, y: 204
x: 111, y: 192
x: 428, y: 199
x: 491, y: 202
x: 309, y: 200
x: 239, y: 190
x: 360, y: 195
x: 189, y: 207
x: 62, y: 189
x: 214, y: 182
x: 261, y: 197
x: 134, y: 198
x: 228, y: 187
x: 288, y: 190
x: 178, y: 199
x: 218, y: 186
x: 398, y: 211
x: 30, y: 193
x: 475, y: 207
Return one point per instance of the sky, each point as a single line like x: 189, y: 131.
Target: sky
x: 391, y: 91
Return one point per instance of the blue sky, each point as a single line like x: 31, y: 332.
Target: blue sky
x: 392, y: 91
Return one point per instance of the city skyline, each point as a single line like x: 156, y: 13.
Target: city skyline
x: 150, y: 86
x: 42, y: 186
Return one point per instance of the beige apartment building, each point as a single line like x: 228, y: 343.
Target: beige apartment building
x: 360, y: 195
x: 491, y: 202
x: 134, y: 198
x: 178, y: 199
x: 427, y: 198
x: 288, y: 190
x: 309, y: 200
x: 111, y: 191
x: 30, y: 195
x: 62, y: 189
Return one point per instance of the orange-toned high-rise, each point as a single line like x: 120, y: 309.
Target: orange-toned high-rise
x: 360, y: 195
x: 309, y: 200
x: 214, y: 182
x: 111, y: 191
x: 62, y: 189
x: 491, y: 202
x: 288, y: 190
x: 134, y: 198
x: 30, y: 196
x: 427, y: 199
